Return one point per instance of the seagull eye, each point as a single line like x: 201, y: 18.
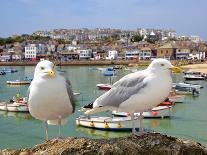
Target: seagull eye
x: 162, y: 65
x: 42, y: 68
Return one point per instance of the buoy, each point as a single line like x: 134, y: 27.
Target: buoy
x: 106, y: 125
x: 154, y: 113
x: 119, y: 125
x: 92, y: 124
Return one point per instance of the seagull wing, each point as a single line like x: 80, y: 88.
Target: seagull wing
x: 70, y: 93
x: 122, y: 90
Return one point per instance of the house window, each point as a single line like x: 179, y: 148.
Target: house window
x: 166, y: 51
x: 161, y: 52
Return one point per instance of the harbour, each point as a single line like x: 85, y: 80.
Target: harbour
x: 188, y: 119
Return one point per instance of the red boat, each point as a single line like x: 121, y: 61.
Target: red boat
x: 104, y: 86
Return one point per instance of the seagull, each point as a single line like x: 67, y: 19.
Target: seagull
x: 50, y: 96
x: 137, y: 92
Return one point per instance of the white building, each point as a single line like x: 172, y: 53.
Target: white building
x: 32, y: 50
x: 132, y: 54
x: 197, y: 55
x: 182, y: 53
x: 145, y: 53
x: 112, y: 55
x: 85, y: 53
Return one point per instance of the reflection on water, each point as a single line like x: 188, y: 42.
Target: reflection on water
x: 101, y: 133
x: 16, y: 115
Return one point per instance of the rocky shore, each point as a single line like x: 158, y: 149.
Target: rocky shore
x: 147, y: 144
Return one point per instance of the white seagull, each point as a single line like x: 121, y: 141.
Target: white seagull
x: 137, y: 92
x: 50, y: 96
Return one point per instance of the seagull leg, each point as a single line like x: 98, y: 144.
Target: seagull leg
x: 59, y: 127
x: 133, y: 124
x: 141, y: 129
x: 46, y: 131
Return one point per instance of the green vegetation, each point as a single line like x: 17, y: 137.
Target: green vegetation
x: 137, y: 38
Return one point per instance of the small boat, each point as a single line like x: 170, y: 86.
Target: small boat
x: 187, y: 91
x: 25, y: 81
x: 7, y: 70
x: 18, y: 82
x: 177, y: 98
x: 14, y: 107
x: 185, y: 85
x: 2, y: 73
x: 104, y: 86
x: 117, y: 67
x: 156, y: 112
x: 106, y: 123
x: 76, y: 93
x: 193, y: 77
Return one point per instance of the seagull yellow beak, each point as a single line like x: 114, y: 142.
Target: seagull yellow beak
x: 51, y: 73
x: 176, y: 69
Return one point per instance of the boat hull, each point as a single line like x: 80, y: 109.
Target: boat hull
x: 14, y: 107
x: 106, y: 123
x: 157, y: 112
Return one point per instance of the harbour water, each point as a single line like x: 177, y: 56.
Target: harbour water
x: 18, y: 130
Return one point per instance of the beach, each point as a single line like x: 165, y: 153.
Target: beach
x: 196, y: 68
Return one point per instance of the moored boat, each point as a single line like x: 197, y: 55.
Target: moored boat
x: 7, y: 70
x: 14, y: 107
x: 104, y: 86
x: 156, y: 112
x: 106, y: 123
x: 18, y: 82
x: 2, y: 73
x: 194, y: 77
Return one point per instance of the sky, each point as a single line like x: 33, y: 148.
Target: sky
x: 187, y: 17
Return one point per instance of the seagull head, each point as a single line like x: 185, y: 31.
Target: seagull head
x: 44, y: 68
x: 163, y: 65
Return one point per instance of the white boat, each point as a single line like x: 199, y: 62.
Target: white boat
x: 156, y: 112
x: 18, y: 82
x: 177, y: 98
x: 194, y: 77
x: 190, y: 85
x: 14, y: 107
x: 107, y: 123
x: 184, y: 92
x: 76, y: 93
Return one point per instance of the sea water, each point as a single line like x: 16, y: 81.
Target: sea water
x: 17, y: 130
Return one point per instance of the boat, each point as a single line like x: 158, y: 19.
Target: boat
x: 117, y: 67
x: 156, y: 112
x: 194, y: 77
x: 104, y: 86
x: 107, y: 72
x: 14, y: 107
x: 76, y: 93
x: 2, y: 73
x: 18, y: 82
x: 184, y: 84
x: 25, y: 81
x: 177, y: 98
x: 106, y: 123
x: 7, y: 70
x: 17, y: 104
x: 187, y: 91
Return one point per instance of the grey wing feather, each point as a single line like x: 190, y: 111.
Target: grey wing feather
x: 122, y: 90
x: 70, y: 93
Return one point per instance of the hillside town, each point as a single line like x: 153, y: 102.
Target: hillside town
x: 102, y: 44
